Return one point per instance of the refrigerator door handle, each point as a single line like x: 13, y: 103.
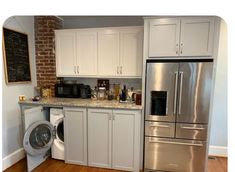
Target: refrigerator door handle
x: 175, y: 93
x: 176, y: 143
x: 180, y: 93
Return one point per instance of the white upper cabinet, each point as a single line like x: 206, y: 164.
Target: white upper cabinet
x: 99, y: 52
x: 131, y: 52
x: 65, y: 53
x: 196, y: 37
x: 186, y: 36
x: 76, y: 53
x: 86, y: 52
x: 108, y: 52
x: 164, y: 37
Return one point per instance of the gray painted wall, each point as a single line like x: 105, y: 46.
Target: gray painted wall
x: 72, y: 22
x: 12, y: 132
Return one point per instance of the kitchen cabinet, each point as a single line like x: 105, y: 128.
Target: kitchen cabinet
x: 65, y: 53
x: 99, y: 52
x: 189, y: 36
x: 114, y: 139
x: 131, y: 52
x: 75, y: 135
x: 87, y: 52
x: 108, y: 52
x: 76, y: 53
x: 99, y: 138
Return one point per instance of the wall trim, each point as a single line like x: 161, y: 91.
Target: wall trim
x: 12, y: 158
x: 218, y: 151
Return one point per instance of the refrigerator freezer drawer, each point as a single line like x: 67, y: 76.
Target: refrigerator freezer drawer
x: 191, y: 131
x: 160, y: 129
x: 174, y: 155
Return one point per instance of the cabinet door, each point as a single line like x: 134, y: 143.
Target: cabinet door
x: 164, y: 37
x: 108, y: 52
x: 126, y: 140
x: 65, y: 53
x: 87, y: 53
x: 196, y: 37
x: 75, y: 136
x: 99, y: 138
x: 131, y: 52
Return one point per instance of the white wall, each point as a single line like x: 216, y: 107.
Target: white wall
x: 12, y: 133
x: 218, y: 138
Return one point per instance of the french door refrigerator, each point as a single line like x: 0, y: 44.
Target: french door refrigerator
x: 176, y: 114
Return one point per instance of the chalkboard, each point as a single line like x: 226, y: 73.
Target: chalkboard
x: 16, y: 56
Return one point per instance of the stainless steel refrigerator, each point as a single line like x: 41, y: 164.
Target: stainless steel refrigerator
x: 176, y: 114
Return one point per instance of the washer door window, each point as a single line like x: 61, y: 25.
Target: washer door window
x: 38, y: 138
x: 60, y: 130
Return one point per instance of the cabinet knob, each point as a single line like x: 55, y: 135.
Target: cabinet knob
x: 117, y: 69
x: 75, y: 69
x: 78, y: 69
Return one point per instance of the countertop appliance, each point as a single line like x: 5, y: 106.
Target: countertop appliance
x: 177, y: 105
x: 67, y: 90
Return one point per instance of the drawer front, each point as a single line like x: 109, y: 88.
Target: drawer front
x: 176, y: 155
x: 191, y: 131
x: 160, y: 129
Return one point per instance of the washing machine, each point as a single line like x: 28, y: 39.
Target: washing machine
x: 39, y: 135
x: 57, y: 121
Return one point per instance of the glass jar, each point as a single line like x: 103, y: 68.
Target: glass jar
x: 101, y: 93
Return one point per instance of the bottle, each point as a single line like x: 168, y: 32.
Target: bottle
x: 124, y: 93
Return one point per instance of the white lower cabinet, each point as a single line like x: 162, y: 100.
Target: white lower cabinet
x: 114, y: 139
x: 99, y: 137
x: 75, y: 133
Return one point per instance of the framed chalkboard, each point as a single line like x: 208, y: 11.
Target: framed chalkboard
x: 16, y: 56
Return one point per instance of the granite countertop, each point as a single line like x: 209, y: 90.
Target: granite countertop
x: 75, y: 102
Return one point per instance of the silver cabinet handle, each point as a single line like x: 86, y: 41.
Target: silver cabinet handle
x: 180, y: 94
x: 175, y: 143
x: 177, y: 48
x: 181, y: 48
x: 117, y: 69
x: 120, y: 69
x: 175, y: 92
x: 193, y: 128
x: 75, y: 69
x: 78, y: 69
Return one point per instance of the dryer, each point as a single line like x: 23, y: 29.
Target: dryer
x: 57, y: 121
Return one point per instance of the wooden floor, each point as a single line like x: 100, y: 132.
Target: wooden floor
x: 51, y: 165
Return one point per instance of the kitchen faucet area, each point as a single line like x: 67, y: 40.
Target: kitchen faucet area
x: 111, y: 93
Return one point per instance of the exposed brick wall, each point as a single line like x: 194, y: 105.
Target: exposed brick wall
x: 44, y: 49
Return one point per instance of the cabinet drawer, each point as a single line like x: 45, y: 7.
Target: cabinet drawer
x: 160, y: 129
x: 191, y: 131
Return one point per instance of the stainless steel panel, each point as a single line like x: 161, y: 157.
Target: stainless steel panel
x: 161, y: 77
x: 191, y: 131
x: 174, y: 155
x: 160, y: 129
x: 194, y: 92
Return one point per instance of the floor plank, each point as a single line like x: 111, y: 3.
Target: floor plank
x: 216, y: 164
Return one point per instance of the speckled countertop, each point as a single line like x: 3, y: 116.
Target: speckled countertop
x: 71, y: 102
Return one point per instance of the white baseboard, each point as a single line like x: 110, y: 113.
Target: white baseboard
x: 11, y: 159
x: 218, y: 151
